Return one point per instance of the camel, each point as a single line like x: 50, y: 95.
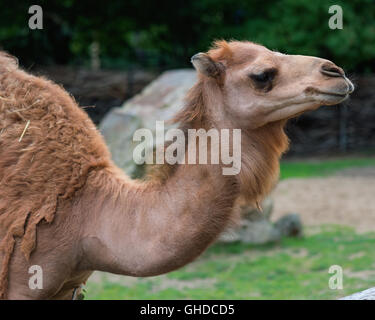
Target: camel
x: 66, y: 207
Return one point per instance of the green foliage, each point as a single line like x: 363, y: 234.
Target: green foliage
x: 166, y: 33
x: 292, y: 269
x: 312, y: 168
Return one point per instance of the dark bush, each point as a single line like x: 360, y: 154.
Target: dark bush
x: 165, y: 34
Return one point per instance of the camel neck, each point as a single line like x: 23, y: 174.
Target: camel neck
x: 149, y: 228
x: 145, y: 228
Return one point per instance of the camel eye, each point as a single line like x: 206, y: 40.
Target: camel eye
x: 264, y: 79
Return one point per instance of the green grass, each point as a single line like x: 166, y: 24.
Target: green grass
x: 295, y: 268
x: 310, y: 168
x: 291, y: 269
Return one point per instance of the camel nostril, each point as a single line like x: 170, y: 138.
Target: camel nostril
x: 329, y: 69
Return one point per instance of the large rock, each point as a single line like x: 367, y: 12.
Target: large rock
x: 256, y: 227
x: 160, y: 100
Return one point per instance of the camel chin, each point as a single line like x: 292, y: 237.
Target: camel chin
x: 333, y: 99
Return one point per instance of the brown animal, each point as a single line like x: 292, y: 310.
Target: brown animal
x: 66, y: 207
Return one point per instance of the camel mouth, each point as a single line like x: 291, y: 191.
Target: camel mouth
x: 334, y: 94
x: 330, y: 97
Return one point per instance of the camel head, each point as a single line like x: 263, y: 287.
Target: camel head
x: 259, y: 86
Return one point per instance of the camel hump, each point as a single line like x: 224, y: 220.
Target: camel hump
x: 47, y: 141
x: 7, y: 61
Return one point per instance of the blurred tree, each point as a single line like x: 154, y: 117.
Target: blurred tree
x: 166, y: 33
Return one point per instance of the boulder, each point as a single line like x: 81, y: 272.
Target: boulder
x: 289, y: 225
x: 256, y: 227
x: 160, y: 100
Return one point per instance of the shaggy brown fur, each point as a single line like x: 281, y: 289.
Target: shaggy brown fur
x: 57, y: 177
x: 53, y: 159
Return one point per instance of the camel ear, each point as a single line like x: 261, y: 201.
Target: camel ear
x: 203, y: 63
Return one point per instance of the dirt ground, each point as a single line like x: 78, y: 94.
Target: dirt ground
x: 346, y: 198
